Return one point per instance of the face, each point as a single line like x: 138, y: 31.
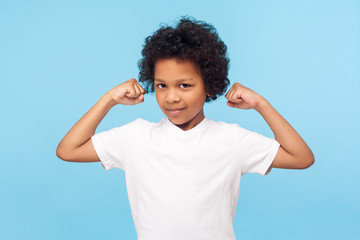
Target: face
x: 180, y: 92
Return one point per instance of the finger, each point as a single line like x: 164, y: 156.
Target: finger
x: 237, y: 96
x: 131, y: 92
x: 140, y: 98
x: 230, y: 91
x: 239, y: 85
x: 142, y: 90
x: 134, y: 91
x: 239, y: 104
x: 228, y: 94
x: 137, y: 90
x: 231, y: 96
x: 231, y: 104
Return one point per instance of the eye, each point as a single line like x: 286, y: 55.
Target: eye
x: 161, y: 85
x: 184, y: 85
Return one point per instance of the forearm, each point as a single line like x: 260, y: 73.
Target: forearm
x: 85, y: 128
x: 284, y: 133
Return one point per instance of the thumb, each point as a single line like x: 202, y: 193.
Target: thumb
x: 231, y: 104
x: 140, y: 98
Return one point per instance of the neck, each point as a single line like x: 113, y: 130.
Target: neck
x: 193, y: 122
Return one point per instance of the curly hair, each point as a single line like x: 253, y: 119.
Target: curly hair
x: 190, y: 40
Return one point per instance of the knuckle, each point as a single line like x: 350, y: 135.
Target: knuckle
x: 132, y: 80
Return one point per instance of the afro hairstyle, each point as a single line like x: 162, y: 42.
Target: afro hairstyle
x: 190, y: 40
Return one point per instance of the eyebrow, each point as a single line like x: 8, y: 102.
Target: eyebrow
x: 179, y: 80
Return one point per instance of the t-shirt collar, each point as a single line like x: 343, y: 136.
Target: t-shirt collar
x: 198, y: 128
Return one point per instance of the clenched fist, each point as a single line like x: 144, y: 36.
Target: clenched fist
x: 128, y: 93
x: 242, y: 97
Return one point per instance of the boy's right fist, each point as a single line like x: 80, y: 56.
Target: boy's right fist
x: 128, y: 93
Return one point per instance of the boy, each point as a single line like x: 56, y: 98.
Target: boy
x: 183, y: 174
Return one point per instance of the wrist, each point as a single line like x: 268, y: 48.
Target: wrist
x: 262, y: 105
x: 108, y: 100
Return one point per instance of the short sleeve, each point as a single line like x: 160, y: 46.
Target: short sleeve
x: 113, y: 146
x: 257, y: 152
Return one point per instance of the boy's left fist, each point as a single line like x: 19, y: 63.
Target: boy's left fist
x: 242, y: 97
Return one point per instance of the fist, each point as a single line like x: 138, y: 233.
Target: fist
x: 242, y: 97
x: 128, y: 93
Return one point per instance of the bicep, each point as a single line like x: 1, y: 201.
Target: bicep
x: 283, y: 159
x: 84, y: 153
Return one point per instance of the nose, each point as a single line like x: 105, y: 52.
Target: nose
x: 172, y: 96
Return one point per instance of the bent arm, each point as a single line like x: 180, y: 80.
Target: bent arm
x: 76, y: 146
x: 293, y: 153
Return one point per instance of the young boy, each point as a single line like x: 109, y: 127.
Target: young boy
x: 183, y: 173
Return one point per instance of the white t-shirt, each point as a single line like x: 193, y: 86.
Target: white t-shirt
x: 184, y: 184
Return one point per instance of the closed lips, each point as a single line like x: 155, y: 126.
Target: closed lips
x: 175, y: 109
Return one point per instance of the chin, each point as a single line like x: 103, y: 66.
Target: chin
x: 177, y: 121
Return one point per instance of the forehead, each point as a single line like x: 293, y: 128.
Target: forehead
x: 168, y: 69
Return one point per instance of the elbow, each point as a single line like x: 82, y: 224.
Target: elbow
x: 307, y: 162
x: 60, y: 153
x: 311, y: 162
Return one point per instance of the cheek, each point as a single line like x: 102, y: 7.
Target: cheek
x: 198, y: 101
x: 200, y: 97
x: 159, y: 97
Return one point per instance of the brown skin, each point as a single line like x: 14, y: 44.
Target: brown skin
x: 178, y: 86
x: 187, y: 97
x: 293, y: 152
x: 77, y: 146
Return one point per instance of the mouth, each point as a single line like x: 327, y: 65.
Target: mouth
x: 174, y: 111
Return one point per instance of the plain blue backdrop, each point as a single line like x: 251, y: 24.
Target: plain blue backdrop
x: 57, y: 58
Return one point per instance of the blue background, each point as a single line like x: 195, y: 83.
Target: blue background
x: 57, y: 58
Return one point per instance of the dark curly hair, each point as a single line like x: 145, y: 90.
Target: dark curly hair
x: 190, y: 40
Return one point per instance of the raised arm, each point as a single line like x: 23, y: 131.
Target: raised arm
x: 76, y: 146
x: 293, y: 152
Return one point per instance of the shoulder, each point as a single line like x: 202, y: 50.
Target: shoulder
x: 143, y: 125
x: 131, y: 127
x: 148, y: 124
x: 224, y: 126
x: 139, y: 122
x: 142, y: 122
x: 230, y: 129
